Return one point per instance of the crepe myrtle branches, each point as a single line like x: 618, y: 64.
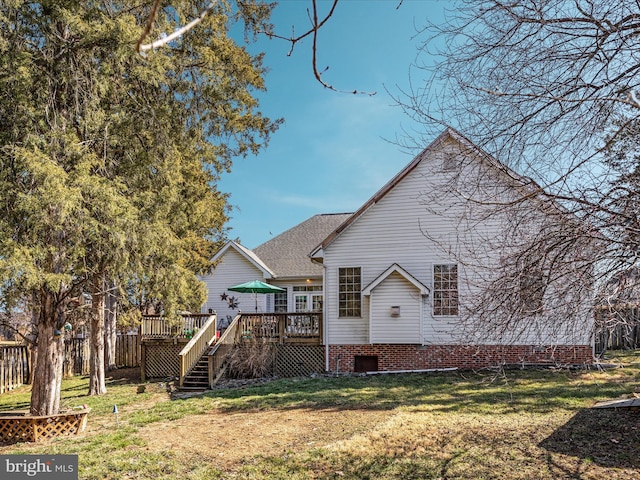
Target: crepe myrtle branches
x: 543, y: 85
x: 526, y: 264
x: 551, y: 89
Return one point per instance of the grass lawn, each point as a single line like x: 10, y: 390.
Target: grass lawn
x: 516, y: 424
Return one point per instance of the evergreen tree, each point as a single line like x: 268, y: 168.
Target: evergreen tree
x: 108, y: 160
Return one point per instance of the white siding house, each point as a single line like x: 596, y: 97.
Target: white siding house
x: 395, y: 279
x: 282, y: 261
x: 234, y: 264
x: 395, y: 316
x: 433, y: 236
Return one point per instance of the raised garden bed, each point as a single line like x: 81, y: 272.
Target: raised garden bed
x: 22, y: 427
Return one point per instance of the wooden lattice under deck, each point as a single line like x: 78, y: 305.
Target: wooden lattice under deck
x: 299, y: 360
x: 21, y: 427
x: 161, y: 359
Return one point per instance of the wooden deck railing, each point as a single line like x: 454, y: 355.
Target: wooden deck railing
x: 220, y: 350
x: 282, y: 327
x: 157, y: 326
x: 193, y: 350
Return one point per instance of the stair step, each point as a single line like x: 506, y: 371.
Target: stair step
x: 198, y: 371
x: 198, y: 377
x: 204, y: 385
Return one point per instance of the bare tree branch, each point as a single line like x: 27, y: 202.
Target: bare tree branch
x: 552, y: 89
x: 168, y: 38
x: 316, y: 25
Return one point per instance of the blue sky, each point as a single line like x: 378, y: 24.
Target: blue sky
x: 334, y: 150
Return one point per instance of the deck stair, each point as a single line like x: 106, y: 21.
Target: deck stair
x: 194, y: 372
x: 198, y: 376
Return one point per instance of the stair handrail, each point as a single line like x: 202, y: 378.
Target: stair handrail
x: 193, y: 350
x: 218, y: 353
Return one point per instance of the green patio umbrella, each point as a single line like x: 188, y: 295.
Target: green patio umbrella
x: 255, y: 287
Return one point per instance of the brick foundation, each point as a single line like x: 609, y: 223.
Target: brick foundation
x: 417, y: 357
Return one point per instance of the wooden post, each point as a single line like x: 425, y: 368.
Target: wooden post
x: 282, y: 322
x: 143, y: 361
x: 2, y: 370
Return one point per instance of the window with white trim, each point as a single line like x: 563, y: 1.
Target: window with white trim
x: 531, y: 285
x: 349, y: 292
x: 445, y: 290
x: 280, y: 302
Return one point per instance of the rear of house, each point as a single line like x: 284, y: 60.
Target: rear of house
x: 411, y: 280
x: 399, y: 274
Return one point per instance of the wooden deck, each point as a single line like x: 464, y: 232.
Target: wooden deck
x: 175, y: 349
x: 300, y: 328
x: 157, y: 327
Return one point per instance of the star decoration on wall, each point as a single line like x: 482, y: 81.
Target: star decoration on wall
x: 233, y: 303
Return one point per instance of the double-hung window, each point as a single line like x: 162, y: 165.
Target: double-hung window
x: 445, y: 290
x: 531, y: 285
x: 349, y: 292
x: 280, y: 302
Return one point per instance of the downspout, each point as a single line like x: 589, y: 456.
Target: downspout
x: 325, y: 330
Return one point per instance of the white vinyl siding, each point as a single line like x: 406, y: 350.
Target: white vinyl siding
x: 395, y: 291
x: 232, y: 269
x: 389, y: 232
x: 412, y: 227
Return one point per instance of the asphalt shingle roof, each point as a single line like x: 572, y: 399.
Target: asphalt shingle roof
x: 287, y: 254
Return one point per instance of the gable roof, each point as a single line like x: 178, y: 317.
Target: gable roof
x: 247, y: 254
x: 287, y: 255
x: 517, y: 180
x: 395, y: 268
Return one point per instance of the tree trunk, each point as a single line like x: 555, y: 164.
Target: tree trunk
x: 96, y: 339
x: 110, y: 333
x: 47, y: 371
x: 33, y: 341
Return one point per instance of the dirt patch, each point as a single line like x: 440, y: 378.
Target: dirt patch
x: 126, y: 375
x: 229, y: 438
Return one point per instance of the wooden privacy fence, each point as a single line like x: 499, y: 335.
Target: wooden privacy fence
x: 617, y: 328
x: 128, y: 351
x: 15, y: 366
x: 15, y: 360
x: 77, y: 351
x: 622, y: 337
x: 76, y: 357
x: 76, y: 354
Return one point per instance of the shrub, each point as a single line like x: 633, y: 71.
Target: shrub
x: 251, y: 359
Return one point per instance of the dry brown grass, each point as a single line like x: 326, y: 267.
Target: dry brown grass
x: 252, y: 359
x: 515, y: 425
